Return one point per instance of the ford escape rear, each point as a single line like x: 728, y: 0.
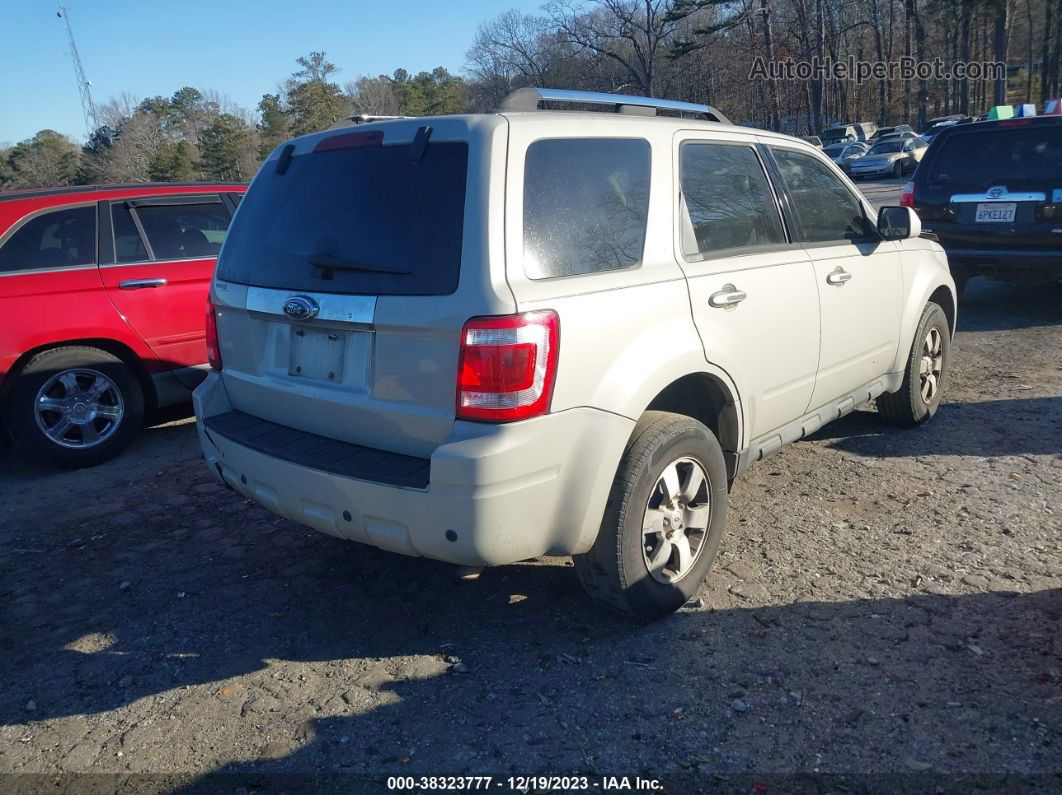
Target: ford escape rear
x: 491, y: 337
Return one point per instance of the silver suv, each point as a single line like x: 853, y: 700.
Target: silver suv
x: 491, y: 337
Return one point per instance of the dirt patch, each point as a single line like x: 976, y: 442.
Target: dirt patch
x: 885, y: 601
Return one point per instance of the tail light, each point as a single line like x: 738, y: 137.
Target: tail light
x: 507, y: 366
x: 907, y: 195
x: 213, y: 349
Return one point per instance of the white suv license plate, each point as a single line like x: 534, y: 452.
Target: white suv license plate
x: 995, y: 213
x: 317, y: 354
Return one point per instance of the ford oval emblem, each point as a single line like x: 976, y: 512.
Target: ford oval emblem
x: 996, y: 192
x: 301, y: 307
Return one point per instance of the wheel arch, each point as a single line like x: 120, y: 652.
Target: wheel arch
x: 113, y: 347
x: 945, y: 299
x: 707, y: 398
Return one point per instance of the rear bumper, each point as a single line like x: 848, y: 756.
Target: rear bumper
x: 495, y: 493
x: 1004, y: 262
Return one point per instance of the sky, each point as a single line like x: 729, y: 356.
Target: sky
x: 240, y: 48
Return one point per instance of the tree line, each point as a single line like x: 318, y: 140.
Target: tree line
x: 694, y: 50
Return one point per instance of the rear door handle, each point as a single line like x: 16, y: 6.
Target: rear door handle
x: 139, y: 284
x: 838, y: 276
x: 728, y: 296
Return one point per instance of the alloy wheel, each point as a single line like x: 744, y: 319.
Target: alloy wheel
x: 931, y: 365
x: 675, y: 522
x: 79, y: 408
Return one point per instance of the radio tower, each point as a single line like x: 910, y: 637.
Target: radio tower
x: 88, y: 107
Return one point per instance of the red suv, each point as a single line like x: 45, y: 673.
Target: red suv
x: 102, y: 293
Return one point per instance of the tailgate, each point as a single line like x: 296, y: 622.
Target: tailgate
x: 347, y: 276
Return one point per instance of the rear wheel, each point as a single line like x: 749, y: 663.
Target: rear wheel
x: 663, y: 521
x: 926, y: 374
x: 74, y: 407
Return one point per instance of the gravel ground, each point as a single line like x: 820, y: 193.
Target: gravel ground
x: 885, y: 602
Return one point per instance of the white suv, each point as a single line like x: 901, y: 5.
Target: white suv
x: 491, y: 337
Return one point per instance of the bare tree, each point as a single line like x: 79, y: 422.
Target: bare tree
x: 372, y: 95
x: 636, y: 34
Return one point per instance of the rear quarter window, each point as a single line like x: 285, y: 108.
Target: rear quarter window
x: 586, y: 202
x: 57, y: 239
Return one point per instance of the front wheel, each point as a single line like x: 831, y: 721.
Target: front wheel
x: 926, y: 374
x: 663, y: 520
x: 74, y: 407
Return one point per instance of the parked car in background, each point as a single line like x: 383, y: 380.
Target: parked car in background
x: 881, y: 132
x: 899, y: 135
x: 859, y: 131
x: 992, y: 194
x: 892, y: 157
x: 935, y: 126
x: 102, y: 290
x: 814, y: 140
x: 844, y: 154
x: 484, y: 338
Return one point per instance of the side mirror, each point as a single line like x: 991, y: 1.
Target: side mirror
x: 898, y: 223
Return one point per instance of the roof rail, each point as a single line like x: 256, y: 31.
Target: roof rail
x: 30, y: 193
x: 527, y: 99
x: 365, y: 118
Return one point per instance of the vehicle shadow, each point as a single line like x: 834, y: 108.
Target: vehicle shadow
x: 161, y: 427
x: 984, y: 429
x: 414, y: 671
x: 996, y: 306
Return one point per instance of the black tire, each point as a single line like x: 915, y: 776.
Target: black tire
x: 907, y: 407
x: 20, y: 416
x: 614, y: 571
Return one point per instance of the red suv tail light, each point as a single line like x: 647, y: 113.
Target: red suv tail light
x: 213, y: 350
x: 507, y: 366
x: 907, y: 195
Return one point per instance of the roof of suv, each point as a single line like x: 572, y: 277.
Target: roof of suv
x: 36, y: 193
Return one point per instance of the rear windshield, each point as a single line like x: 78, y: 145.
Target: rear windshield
x: 886, y: 147
x: 363, y: 220
x: 989, y: 156
x: 837, y: 132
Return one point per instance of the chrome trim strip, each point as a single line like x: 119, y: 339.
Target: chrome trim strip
x: 334, y: 307
x: 48, y: 270
x: 1006, y: 197
x: 156, y: 261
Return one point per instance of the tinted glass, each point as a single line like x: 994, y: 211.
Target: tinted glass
x: 835, y: 150
x: 728, y: 199
x: 128, y: 245
x: 984, y: 157
x: 184, y: 231
x: 825, y: 208
x: 53, y: 240
x: 386, y: 225
x: 889, y: 147
x: 837, y: 133
x: 585, y: 205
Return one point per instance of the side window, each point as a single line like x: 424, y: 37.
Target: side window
x: 727, y: 200
x: 183, y: 231
x: 128, y: 245
x: 585, y: 205
x: 57, y: 239
x: 825, y: 208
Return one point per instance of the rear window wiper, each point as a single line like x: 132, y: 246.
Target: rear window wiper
x: 326, y: 262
